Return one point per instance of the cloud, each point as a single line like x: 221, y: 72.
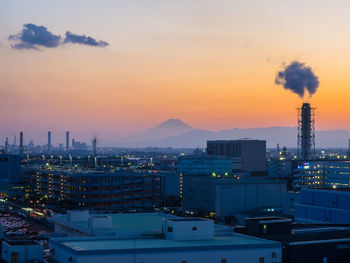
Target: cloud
x: 33, y: 37
x: 83, y: 40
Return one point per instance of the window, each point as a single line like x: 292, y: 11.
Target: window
x: 194, y: 228
x: 170, y: 229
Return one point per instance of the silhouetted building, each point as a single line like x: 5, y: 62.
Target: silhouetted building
x: 247, y: 155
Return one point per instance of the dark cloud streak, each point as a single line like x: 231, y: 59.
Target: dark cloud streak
x: 33, y: 36
x: 83, y: 40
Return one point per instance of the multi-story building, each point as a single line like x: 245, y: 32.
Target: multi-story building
x: 321, y: 174
x: 98, y: 189
x: 247, y: 155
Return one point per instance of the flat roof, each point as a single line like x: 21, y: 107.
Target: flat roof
x: 110, y: 245
x: 135, y: 222
x: 188, y: 219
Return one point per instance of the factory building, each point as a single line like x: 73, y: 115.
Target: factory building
x: 329, y: 206
x: 247, y: 155
x: 98, y: 189
x: 158, y: 238
x: 205, y: 165
x: 225, y: 196
x: 321, y: 174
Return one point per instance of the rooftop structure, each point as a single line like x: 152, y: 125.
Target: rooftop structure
x: 76, y: 223
x: 177, y: 240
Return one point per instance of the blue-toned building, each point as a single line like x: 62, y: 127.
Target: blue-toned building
x: 324, y: 206
x: 202, y: 166
x: 321, y: 174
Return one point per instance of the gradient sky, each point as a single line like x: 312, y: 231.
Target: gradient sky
x: 210, y: 63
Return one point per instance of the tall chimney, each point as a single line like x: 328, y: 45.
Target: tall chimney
x: 67, y: 141
x: 49, y: 141
x: 21, y: 143
x: 306, y: 132
x: 94, y: 146
x: 6, y: 144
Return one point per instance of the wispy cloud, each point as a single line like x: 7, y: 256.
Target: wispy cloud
x: 83, y: 40
x: 34, y: 37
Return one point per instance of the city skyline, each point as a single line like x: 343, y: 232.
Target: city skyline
x: 212, y: 66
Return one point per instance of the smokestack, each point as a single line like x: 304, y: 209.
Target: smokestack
x: 306, y: 132
x: 49, y: 141
x: 94, y: 146
x: 6, y: 144
x: 67, y: 141
x: 21, y: 143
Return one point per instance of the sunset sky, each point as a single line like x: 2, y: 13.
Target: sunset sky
x: 211, y: 64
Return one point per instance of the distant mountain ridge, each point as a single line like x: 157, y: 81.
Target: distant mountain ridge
x: 168, y: 128
x: 177, y: 134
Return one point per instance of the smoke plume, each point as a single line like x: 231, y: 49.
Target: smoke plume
x: 298, y: 77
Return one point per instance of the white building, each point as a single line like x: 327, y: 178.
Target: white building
x: 21, y: 251
x: 183, y: 240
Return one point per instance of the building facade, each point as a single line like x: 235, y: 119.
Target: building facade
x: 98, y: 189
x: 247, y: 155
x: 321, y: 174
x: 329, y: 206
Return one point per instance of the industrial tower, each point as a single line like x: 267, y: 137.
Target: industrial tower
x: 306, y: 132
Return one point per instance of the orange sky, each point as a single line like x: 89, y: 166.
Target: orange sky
x: 213, y: 66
